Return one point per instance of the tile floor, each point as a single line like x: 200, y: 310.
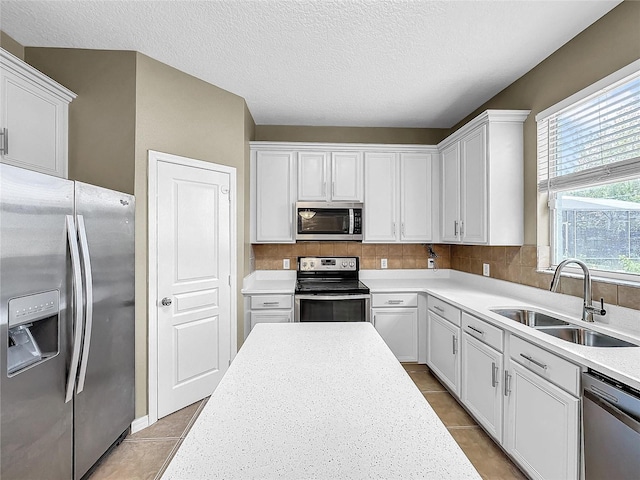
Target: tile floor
x: 146, y: 454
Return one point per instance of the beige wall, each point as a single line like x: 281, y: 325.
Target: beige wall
x: 285, y: 133
x: 11, y: 46
x: 128, y: 104
x: 102, y: 117
x: 179, y: 114
x: 606, y: 46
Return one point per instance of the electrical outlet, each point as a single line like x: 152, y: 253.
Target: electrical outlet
x: 383, y: 263
x: 485, y: 269
x: 285, y: 264
x: 431, y: 263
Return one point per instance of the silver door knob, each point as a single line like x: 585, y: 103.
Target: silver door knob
x: 166, y: 301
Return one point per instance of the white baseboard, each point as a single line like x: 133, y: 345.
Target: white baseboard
x: 139, y: 424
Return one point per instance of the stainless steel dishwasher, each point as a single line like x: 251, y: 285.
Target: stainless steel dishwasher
x: 611, y: 418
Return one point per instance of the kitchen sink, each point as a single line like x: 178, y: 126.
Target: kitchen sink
x: 530, y: 318
x: 584, y: 336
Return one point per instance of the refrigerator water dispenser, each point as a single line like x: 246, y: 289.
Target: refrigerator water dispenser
x: 33, y: 334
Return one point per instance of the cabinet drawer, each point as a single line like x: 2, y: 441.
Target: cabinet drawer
x: 555, y: 369
x: 445, y: 310
x: 270, y: 301
x: 394, y: 300
x: 492, y: 336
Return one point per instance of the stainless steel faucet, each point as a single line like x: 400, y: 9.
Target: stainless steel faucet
x: 587, y: 308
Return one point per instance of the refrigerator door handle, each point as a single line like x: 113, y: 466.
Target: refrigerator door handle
x: 88, y: 309
x: 77, y: 305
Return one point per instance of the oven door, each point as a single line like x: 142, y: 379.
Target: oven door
x: 332, y: 308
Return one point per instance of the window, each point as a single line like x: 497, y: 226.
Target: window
x: 589, y: 166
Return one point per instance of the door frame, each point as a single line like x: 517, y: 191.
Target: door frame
x: 152, y: 273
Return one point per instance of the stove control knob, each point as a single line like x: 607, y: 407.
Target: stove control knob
x: 312, y: 264
x: 352, y: 264
x: 304, y: 264
x: 344, y: 264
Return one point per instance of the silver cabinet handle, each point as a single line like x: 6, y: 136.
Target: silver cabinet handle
x: 88, y: 288
x: 402, y: 227
x: 4, y: 148
x: 395, y: 302
x: 77, y: 306
x: 266, y: 304
x: 476, y: 330
x: 374, y: 321
x: 494, y: 375
x: 455, y: 228
x: 461, y: 227
x: 534, y: 361
x: 166, y: 301
x: 507, y: 383
x: 394, y: 229
x: 440, y: 309
x: 455, y: 345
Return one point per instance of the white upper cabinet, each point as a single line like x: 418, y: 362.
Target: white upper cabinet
x: 482, y: 180
x: 330, y: 176
x: 312, y: 176
x: 380, y: 198
x: 346, y: 177
x: 273, y: 190
x: 415, y: 197
x: 398, y: 197
x: 33, y: 118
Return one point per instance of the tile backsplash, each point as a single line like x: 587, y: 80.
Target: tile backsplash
x: 270, y: 256
x: 514, y: 264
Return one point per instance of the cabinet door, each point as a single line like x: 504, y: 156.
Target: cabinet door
x: 380, y: 224
x: 541, y: 426
x: 481, y: 382
x: 346, y: 176
x: 36, y: 122
x: 415, y: 197
x: 442, y: 354
x: 274, y: 197
x: 312, y: 176
x: 270, y: 316
x: 450, y: 193
x: 398, y: 327
x: 474, y: 186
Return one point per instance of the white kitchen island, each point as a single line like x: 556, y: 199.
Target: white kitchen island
x: 318, y: 400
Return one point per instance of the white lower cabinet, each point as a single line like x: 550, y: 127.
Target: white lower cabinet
x: 542, y: 426
x: 267, y: 309
x: 271, y: 316
x: 443, y: 355
x: 395, y: 317
x: 481, y: 382
x: 398, y: 327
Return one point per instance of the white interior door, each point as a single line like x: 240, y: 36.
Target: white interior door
x: 193, y: 283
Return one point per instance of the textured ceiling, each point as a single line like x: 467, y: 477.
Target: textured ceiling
x: 390, y: 63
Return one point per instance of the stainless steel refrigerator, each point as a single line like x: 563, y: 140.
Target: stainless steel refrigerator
x: 66, y: 323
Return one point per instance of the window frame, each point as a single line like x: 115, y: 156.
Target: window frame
x: 607, y: 276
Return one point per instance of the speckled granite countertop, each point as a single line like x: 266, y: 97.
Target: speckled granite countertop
x: 318, y: 400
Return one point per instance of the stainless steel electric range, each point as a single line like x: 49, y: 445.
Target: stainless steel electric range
x: 328, y: 290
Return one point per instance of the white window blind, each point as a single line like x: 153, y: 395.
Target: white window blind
x: 592, y: 141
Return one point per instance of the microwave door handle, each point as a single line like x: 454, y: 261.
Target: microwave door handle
x: 351, y: 221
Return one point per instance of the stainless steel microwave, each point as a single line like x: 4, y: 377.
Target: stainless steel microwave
x: 333, y: 221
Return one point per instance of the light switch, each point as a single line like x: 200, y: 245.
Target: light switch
x: 285, y: 264
x: 485, y: 269
x: 383, y: 263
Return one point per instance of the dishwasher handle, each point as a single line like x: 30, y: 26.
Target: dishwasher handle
x: 625, y: 418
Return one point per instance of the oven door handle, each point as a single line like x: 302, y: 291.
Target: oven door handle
x: 332, y: 297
